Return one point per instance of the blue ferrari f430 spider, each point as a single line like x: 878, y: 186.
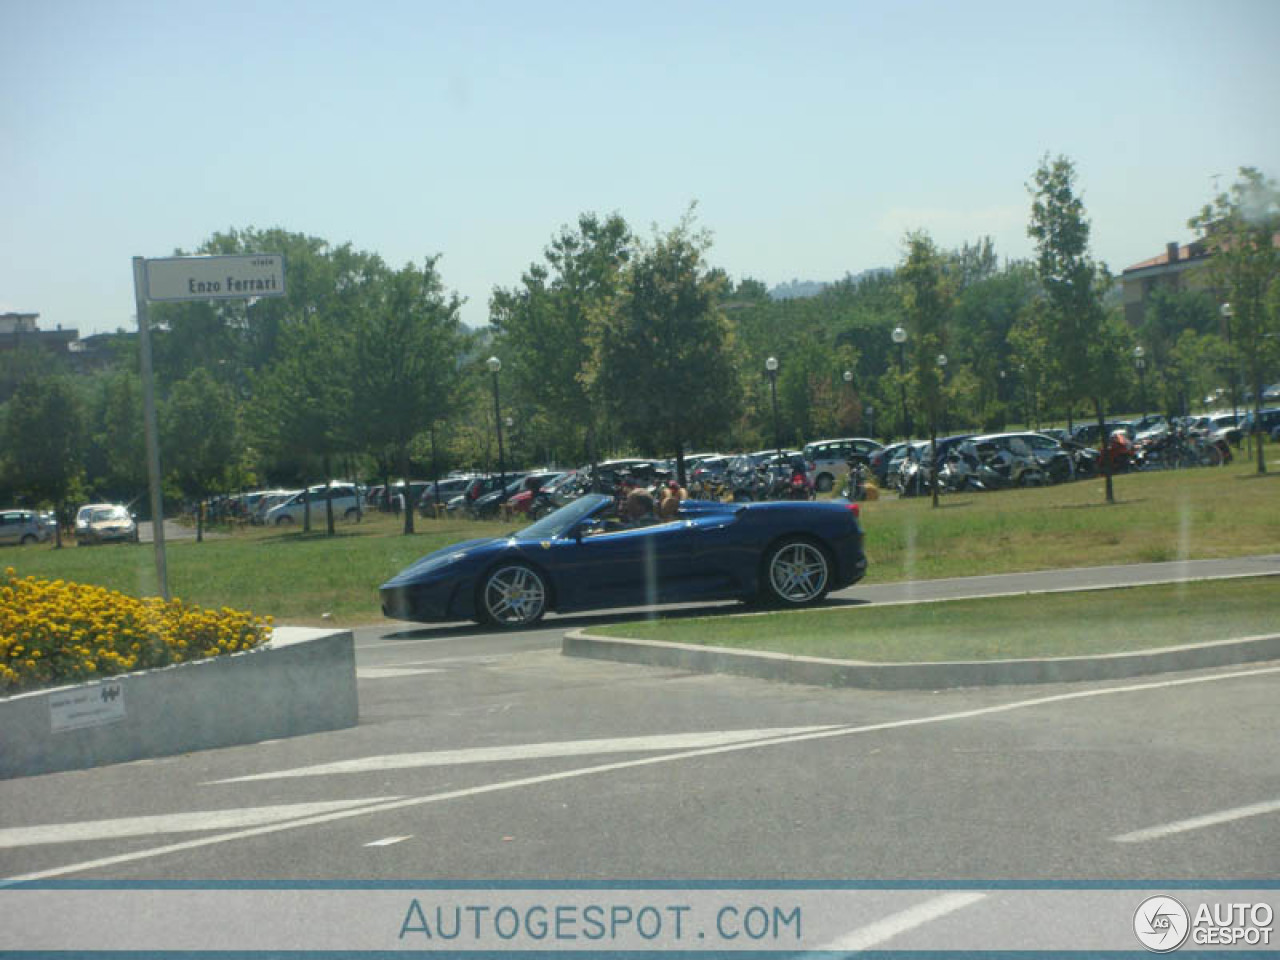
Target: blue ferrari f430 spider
x: 785, y: 553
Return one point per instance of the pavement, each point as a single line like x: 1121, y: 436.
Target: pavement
x: 490, y: 756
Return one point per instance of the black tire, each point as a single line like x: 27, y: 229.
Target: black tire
x: 796, y: 572
x: 511, y: 596
x: 284, y: 521
x: 351, y: 515
x: 825, y: 482
x: 29, y: 539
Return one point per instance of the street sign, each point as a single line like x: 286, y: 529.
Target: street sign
x: 215, y: 278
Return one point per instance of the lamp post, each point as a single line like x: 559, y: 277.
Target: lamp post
x: 899, y: 336
x: 847, y: 377
x: 1140, y: 361
x: 1227, y: 313
x: 771, y: 371
x: 494, y: 365
x: 933, y: 439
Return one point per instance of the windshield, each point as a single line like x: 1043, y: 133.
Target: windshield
x: 562, y: 521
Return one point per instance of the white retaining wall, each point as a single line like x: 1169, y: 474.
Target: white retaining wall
x: 301, y: 681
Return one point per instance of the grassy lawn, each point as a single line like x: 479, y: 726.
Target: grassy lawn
x: 1044, y: 625
x: 297, y: 577
x: 292, y: 576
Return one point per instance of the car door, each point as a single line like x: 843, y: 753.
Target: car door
x: 626, y: 567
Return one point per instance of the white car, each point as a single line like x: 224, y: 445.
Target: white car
x: 105, y: 523
x: 828, y: 460
x: 346, y: 505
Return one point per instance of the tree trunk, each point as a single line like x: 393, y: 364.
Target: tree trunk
x: 404, y: 474
x: 306, y: 507
x: 328, y: 497
x: 1105, y: 458
x: 592, y: 455
x: 680, y: 464
x: 200, y: 519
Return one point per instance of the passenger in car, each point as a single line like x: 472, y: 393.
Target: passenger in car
x: 672, y: 494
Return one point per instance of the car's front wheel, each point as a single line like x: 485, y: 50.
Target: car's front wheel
x: 29, y: 539
x: 796, y: 571
x: 284, y: 520
x: 511, y: 596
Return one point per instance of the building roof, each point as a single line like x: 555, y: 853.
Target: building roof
x: 1195, y: 250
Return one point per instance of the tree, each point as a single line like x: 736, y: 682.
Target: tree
x: 1241, y: 228
x: 1080, y: 341
x: 662, y: 347
x: 406, y: 347
x: 115, y: 449
x: 302, y: 401
x: 542, y: 326
x: 927, y: 297
x: 41, y: 430
x: 200, y: 438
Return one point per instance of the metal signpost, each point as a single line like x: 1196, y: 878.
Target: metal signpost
x: 189, y: 278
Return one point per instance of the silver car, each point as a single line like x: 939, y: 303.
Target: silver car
x: 105, y: 523
x: 24, y: 527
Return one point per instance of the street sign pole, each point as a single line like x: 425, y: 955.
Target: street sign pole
x: 149, y: 425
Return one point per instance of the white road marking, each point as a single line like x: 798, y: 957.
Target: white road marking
x: 1197, y: 823
x: 886, y: 928
x: 172, y: 823
x: 530, y: 751
x: 391, y: 673
x: 388, y: 841
x: 503, y: 785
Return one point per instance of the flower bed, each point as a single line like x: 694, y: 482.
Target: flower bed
x: 53, y: 632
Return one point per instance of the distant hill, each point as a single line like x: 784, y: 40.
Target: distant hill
x: 811, y: 288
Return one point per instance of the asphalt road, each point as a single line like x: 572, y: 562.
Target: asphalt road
x: 490, y: 756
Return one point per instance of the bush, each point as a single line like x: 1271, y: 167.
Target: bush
x: 53, y: 632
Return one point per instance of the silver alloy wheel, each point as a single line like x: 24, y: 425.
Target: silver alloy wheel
x: 798, y: 572
x: 514, y: 596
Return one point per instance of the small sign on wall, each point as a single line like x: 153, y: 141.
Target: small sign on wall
x: 93, y: 706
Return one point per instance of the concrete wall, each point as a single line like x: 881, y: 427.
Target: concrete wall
x: 302, y: 681
x: 768, y: 665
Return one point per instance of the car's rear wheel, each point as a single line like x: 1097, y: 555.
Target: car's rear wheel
x: 29, y: 539
x: 512, y: 596
x: 352, y: 515
x: 796, y: 572
x: 284, y: 521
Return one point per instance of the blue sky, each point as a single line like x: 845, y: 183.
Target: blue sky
x: 812, y: 135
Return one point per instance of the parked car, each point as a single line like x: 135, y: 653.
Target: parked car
x: 105, y: 523
x: 1219, y: 426
x: 443, y: 491
x: 881, y: 459
x: 1270, y: 422
x: 269, y: 499
x: 1031, y: 458
x: 791, y: 554
x: 24, y: 527
x: 346, y: 504
x: 828, y: 460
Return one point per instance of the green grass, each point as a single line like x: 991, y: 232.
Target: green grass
x: 297, y: 577
x: 292, y: 576
x: 1043, y: 625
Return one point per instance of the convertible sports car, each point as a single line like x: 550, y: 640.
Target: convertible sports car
x: 578, y: 558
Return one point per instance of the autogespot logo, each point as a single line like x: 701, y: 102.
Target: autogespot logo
x: 1161, y: 924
